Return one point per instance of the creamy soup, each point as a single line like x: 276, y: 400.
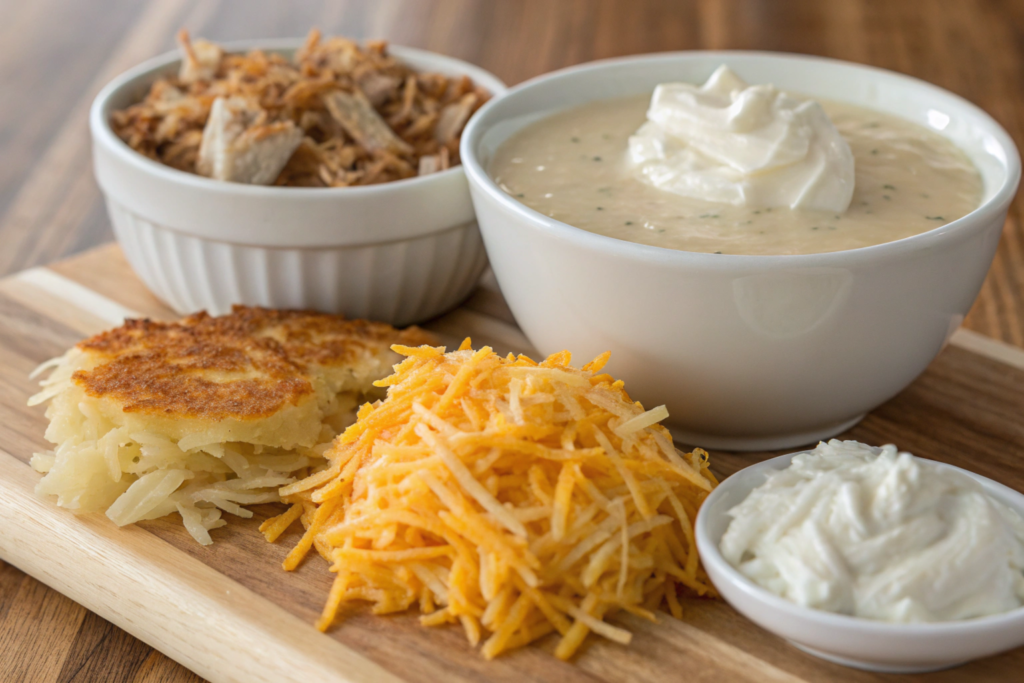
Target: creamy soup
x: 572, y: 166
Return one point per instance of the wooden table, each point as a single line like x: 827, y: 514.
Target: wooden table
x: 58, y: 53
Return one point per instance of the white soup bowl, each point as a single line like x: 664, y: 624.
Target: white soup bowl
x: 747, y: 352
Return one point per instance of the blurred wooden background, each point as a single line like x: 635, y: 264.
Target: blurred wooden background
x: 56, y: 54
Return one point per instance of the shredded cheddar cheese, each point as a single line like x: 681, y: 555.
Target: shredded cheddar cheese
x: 513, y: 497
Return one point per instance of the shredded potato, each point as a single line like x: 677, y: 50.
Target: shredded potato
x: 512, y: 497
x: 205, y: 415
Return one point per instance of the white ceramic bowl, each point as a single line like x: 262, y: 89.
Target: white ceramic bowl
x: 399, y: 252
x: 852, y: 641
x: 747, y: 352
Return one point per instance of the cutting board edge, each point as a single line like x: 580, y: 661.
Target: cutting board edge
x: 119, y: 573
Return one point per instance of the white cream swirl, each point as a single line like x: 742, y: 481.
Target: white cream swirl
x: 878, y: 534
x: 731, y: 143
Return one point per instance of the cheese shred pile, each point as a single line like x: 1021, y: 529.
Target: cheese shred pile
x: 513, y: 497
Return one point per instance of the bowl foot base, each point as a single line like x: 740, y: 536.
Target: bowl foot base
x: 876, y: 667
x: 761, y: 443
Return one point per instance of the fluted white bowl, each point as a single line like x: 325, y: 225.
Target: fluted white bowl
x: 747, y: 352
x: 400, y: 252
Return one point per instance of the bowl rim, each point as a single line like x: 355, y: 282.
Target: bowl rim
x: 710, y: 555
x: 103, y: 133
x: 955, y: 230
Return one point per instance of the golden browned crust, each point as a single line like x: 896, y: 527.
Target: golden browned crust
x: 248, y: 364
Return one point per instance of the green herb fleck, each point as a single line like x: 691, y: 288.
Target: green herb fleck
x: 935, y: 218
x: 873, y: 124
x: 606, y: 136
x: 815, y: 227
x: 756, y: 213
x: 889, y: 187
x: 925, y: 195
x: 874, y: 151
x: 597, y: 158
x: 885, y: 196
x: 520, y: 195
x: 600, y: 208
x: 574, y: 139
x: 629, y: 222
x: 718, y: 252
x: 708, y: 215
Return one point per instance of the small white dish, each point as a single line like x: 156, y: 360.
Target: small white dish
x: 850, y: 641
x: 400, y: 252
x: 746, y: 352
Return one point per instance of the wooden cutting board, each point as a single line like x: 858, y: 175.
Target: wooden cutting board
x: 229, y: 612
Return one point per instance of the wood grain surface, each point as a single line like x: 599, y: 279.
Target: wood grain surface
x: 230, y: 613
x: 56, y: 54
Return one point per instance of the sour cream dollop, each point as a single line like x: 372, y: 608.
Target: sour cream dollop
x: 879, y: 534
x: 748, y: 145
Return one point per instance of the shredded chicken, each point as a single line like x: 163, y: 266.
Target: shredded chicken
x: 338, y: 114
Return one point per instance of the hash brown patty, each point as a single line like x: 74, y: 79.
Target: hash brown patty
x: 208, y: 414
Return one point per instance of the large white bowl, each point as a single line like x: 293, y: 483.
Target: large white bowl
x: 400, y: 252
x: 747, y: 352
x: 851, y: 641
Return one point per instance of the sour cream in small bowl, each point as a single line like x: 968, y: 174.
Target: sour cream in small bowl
x: 864, y: 643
